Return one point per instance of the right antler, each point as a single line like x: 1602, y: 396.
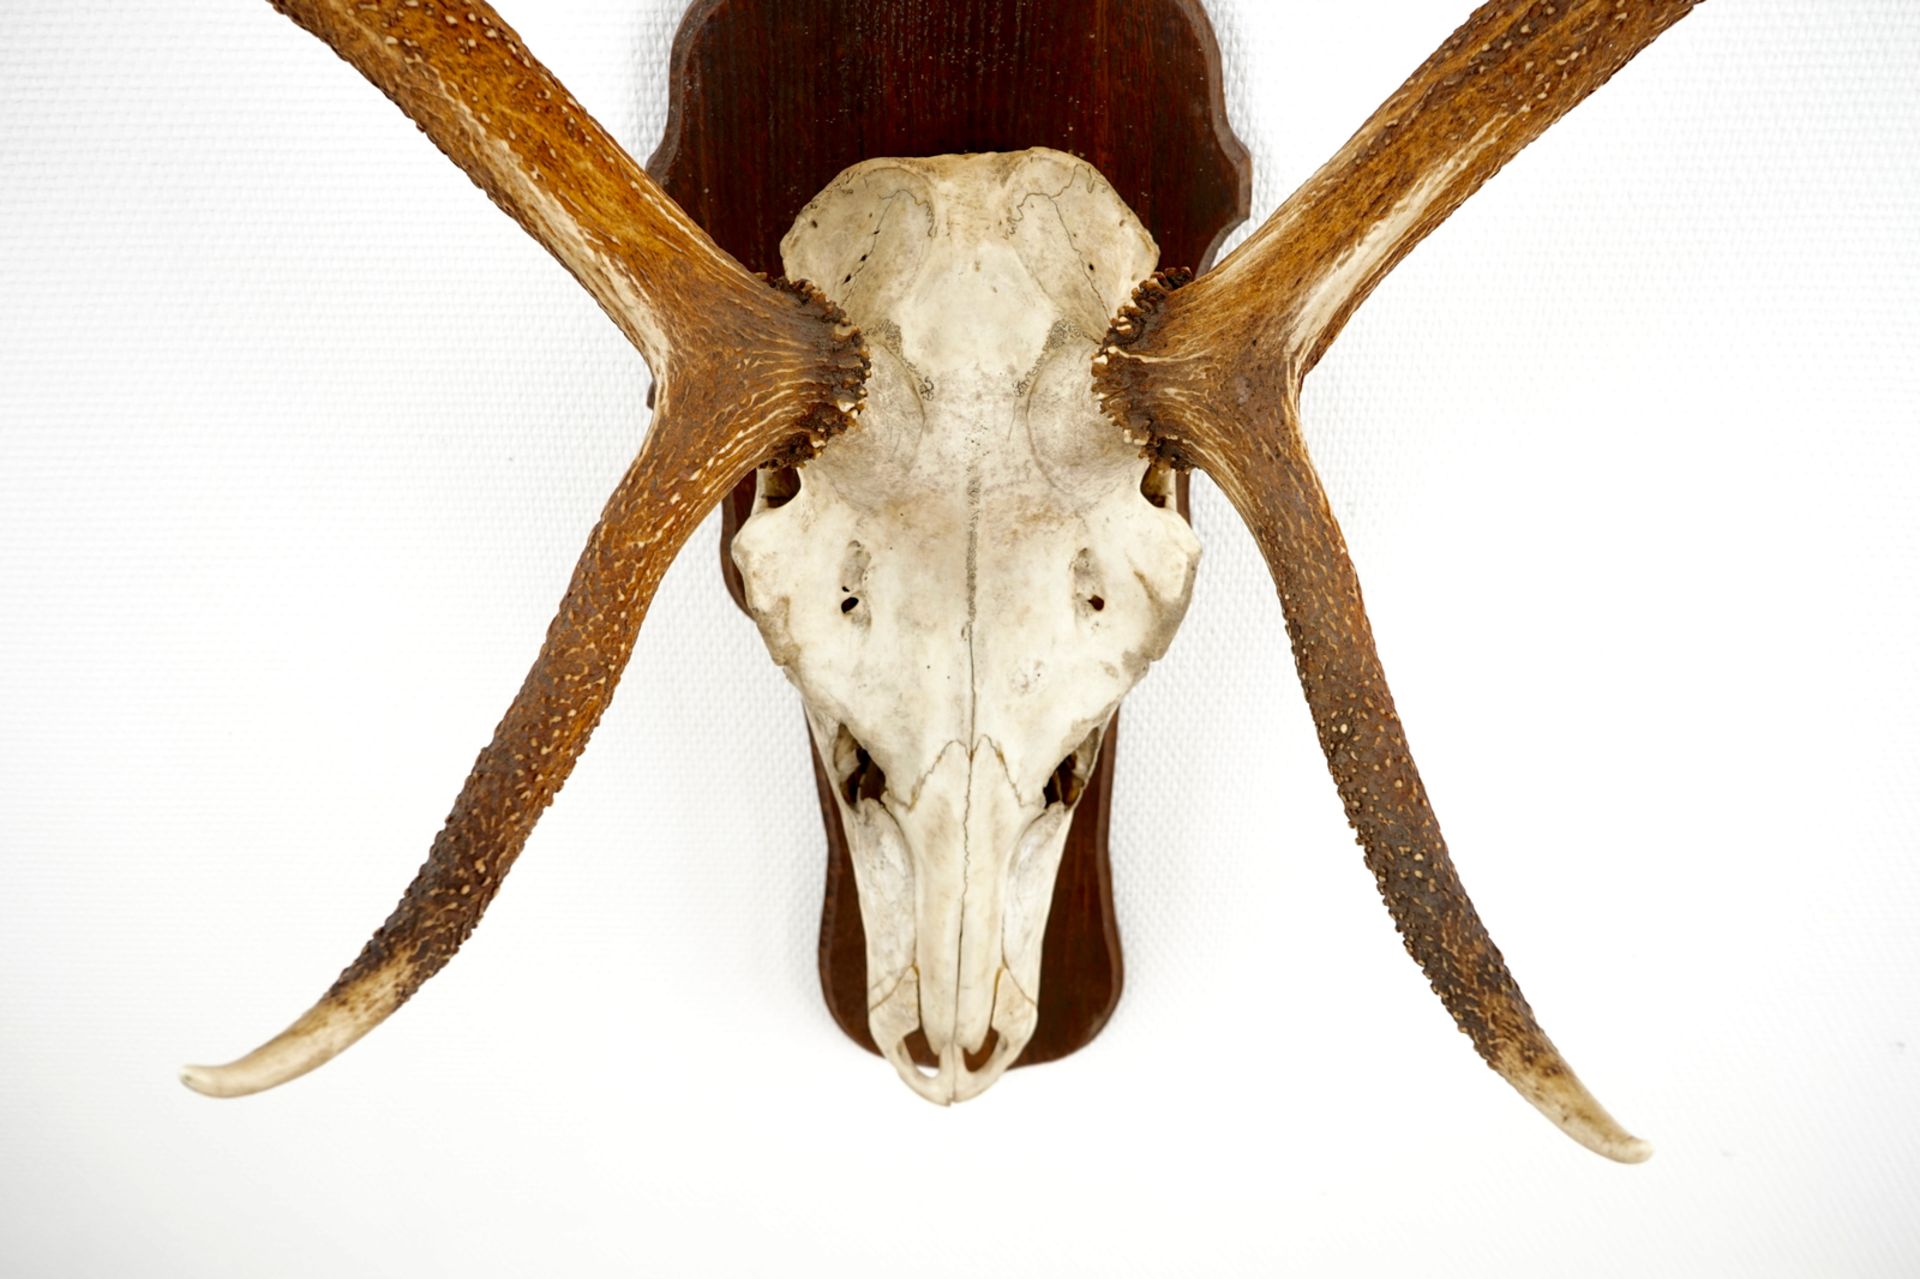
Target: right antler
x: 1210, y: 375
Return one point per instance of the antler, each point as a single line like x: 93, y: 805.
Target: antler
x: 1210, y: 376
x: 745, y: 371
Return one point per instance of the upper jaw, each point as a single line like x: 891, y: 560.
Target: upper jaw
x: 962, y: 967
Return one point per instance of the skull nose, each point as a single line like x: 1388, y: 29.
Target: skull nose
x: 962, y: 1074
x: 996, y: 1054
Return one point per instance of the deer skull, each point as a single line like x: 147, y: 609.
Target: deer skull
x: 965, y: 588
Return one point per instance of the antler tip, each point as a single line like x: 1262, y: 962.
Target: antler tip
x: 322, y: 1033
x: 1561, y: 1097
x: 265, y: 1067
x: 1633, y: 1151
x: 287, y: 1055
x: 209, y: 1081
x: 1618, y: 1145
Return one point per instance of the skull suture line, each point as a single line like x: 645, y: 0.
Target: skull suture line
x: 965, y: 588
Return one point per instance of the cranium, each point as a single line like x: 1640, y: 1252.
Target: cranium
x: 965, y: 588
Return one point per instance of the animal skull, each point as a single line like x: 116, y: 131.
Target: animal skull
x: 965, y: 588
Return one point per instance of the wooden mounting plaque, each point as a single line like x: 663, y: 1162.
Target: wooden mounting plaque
x: 771, y: 99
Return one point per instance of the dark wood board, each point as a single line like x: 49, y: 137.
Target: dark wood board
x: 771, y: 99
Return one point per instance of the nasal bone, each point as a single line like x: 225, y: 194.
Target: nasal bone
x: 968, y: 1001
x: 962, y: 899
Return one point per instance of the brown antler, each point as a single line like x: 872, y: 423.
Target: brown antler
x: 745, y: 371
x: 1210, y: 375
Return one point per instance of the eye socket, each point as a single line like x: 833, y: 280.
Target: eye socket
x: 1159, y: 484
x: 778, y: 485
x: 1070, y: 775
x: 855, y: 772
x: 1064, y: 786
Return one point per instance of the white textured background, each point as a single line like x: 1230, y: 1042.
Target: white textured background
x: 298, y: 439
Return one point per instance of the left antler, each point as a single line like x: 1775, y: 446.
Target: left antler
x: 1210, y: 375
x: 745, y: 371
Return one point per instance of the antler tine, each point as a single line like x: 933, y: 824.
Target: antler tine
x: 1210, y: 375
x: 746, y: 371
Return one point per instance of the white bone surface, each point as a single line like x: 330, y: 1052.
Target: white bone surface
x: 967, y: 585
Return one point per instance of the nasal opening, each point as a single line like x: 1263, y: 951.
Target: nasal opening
x: 976, y: 1060
x: 921, y: 1053
x: 957, y: 1074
